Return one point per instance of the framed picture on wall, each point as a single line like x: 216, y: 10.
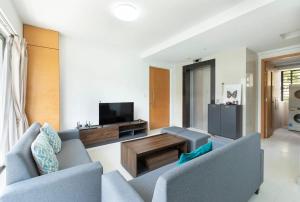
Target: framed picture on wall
x: 232, y: 94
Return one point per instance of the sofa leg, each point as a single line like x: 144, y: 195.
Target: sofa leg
x: 257, y: 191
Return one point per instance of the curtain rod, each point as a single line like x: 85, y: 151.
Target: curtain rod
x: 6, y: 24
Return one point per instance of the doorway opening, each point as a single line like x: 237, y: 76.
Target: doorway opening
x: 278, y: 75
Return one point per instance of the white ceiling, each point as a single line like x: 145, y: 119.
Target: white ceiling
x: 171, y: 30
x: 92, y: 19
x: 258, y: 30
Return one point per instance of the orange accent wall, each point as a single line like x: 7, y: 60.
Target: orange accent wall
x: 43, y: 86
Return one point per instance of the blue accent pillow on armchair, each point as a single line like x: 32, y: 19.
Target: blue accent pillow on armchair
x: 53, y: 137
x: 185, y: 157
x: 44, y: 155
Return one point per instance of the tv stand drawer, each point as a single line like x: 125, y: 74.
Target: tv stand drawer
x: 98, y: 135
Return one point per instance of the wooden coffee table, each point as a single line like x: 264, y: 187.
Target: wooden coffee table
x: 142, y: 155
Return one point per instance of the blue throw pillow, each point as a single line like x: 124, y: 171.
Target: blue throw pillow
x: 53, y: 137
x: 185, y: 157
x: 44, y: 155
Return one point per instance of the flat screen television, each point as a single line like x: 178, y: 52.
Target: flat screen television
x: 110, y: 113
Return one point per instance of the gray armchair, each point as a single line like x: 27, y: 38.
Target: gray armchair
x: 78, y: 178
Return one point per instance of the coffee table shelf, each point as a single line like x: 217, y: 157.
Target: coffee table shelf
x: 146, y: 154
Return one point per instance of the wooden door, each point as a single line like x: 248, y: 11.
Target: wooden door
x: 268, y: 100
x: 269, y: 107
x: 159, y: 90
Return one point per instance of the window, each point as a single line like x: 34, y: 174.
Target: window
x: 288, y: 77
x: 1, y: 49
x: 2, y: 43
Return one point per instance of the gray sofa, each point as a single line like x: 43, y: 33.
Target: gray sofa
x: 78, y: 178
x: 232, y: 172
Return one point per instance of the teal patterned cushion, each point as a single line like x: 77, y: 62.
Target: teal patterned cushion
x: 44, y: 155
x: 53, y: 137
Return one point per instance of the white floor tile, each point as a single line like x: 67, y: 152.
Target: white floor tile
x: 282, y: 168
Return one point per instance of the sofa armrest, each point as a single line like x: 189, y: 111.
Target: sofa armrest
x: 116, y: 189
x: 69, y: 134
x: 80, y: 183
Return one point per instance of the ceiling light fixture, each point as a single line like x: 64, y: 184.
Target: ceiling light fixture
x: 290, y: 35
x: 126, y: 11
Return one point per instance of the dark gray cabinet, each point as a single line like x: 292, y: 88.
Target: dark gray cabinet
x: 214, y: 119
x: 225, y: 120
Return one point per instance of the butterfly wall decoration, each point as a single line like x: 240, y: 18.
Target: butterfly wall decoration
x: 232, y: 94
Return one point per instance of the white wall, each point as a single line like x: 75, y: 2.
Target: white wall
x: 176, y: 94
x: 230, y: 69
x: 251, y: 91
x: 91, y: 72
x: 8, y: 9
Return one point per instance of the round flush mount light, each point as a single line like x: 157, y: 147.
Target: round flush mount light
x: 125, y: 11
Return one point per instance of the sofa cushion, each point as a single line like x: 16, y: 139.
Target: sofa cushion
x: 72, y: 154
x: 53, y: 137
x: 145, y: 184
x: 195, y: 139
x: 19, y: 161
x: 173, y: 130
x: 44, y: 155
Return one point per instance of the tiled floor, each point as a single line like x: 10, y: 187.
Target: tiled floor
x: 282, y: 166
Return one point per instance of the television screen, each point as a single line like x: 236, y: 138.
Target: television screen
x: 110, y: 113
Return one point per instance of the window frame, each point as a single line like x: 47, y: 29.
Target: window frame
x: 3, y: 39
x: 292, y: 72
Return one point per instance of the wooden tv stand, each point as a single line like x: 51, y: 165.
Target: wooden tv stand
x: 105, y: 134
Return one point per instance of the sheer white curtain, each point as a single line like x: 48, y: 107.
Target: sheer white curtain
x: 13, y: 121
x: 19, y: 79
